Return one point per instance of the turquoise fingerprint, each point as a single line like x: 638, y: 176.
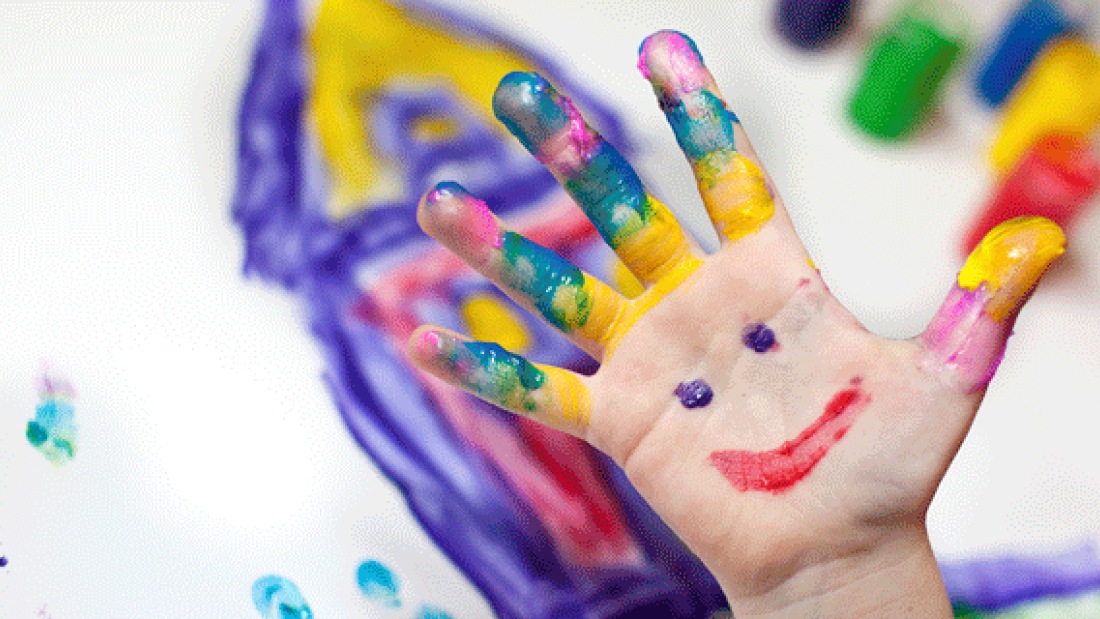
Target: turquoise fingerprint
x: 431, y: 612
x: 278, y: 598
x: 379, y: 583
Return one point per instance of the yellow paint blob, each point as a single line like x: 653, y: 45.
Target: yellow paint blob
x: 655, y: 248
x: 1060, y: 93
x: 488, y: 319
x: 361, y: 47
x: 624, y: 281
x: 1010, y: 260
x: 734, y: 192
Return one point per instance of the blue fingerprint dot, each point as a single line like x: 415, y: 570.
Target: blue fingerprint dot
x: 758, y: 337
x: 431, y: 612
x: 277, y: 598
x: 694, y: 394
x: 379, y: 583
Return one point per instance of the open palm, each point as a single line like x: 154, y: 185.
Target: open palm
x: 778, y: 437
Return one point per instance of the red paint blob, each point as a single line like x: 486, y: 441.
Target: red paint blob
x: 779, y: 469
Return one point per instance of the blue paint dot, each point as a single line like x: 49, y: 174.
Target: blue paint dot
x: 379, y: 583
x: 277, y: 597
x: 431, y: 612
x: 758, y: 337
x: 3, y: 561
x: 694, y: 394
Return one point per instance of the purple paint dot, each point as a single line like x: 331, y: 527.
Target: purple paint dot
x: 3, y: 561
x: 758, y: 337
x: 694, y: 394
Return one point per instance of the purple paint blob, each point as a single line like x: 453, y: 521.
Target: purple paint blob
x: 758, y: 337
x: 3, y: 561
x: 694, y: 394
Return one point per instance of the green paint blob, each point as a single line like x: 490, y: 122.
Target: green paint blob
x: 36, y: 434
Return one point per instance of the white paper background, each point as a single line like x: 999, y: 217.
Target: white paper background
x: 210, y: 453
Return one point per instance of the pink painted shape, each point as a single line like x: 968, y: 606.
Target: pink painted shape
x: 778, y: 470
x: 485, y: 225
x: 687, y: 72
x: 963, y: 337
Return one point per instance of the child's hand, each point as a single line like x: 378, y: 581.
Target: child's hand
x: 795, y: 452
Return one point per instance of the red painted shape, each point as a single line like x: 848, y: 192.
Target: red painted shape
x: 779, y: 469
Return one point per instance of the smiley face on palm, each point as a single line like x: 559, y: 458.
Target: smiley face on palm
x: 752, y: 411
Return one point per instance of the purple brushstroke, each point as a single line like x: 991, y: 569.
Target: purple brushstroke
x: 1000, y: 582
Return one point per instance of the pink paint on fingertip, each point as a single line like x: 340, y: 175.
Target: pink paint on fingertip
x: 485, y: 225
x: 429, y: 343
x: 686, y: 70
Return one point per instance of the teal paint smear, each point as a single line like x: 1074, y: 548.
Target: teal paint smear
x: 427, y: 611
x: 53, y: 430
x: 540, y: 274
x: 277, y: 598
x: 379, y: 583
x: 530, y: 108
x: 707, y: 128
x: 603, y: 188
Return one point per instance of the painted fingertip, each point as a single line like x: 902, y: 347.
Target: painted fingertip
x: 672, y: 59
x: 449, y: 210
x: 1010, y: 260
x: 531, y: 109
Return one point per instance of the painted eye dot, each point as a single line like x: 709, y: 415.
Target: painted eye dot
x: 694, y: 394
x: 758, y: 337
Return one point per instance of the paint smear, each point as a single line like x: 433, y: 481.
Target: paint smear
x: 379, y: 583
x: 276, y: 597
x: 695, y: 393
x: 53, y: 430
x: 779, y: 469
x: 427, y: 611
x: 3, y: 561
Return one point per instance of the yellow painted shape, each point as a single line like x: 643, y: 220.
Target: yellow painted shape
x: 489, y: 319
x: 1060, y: 93
x: 624, y: 280
x: 604, y: 307
x: 1010, y: 259
x: 734, y: 192
x: 636, y: 308
x: 655, y: 246
x: 563, y: 397
x: 360, y: 47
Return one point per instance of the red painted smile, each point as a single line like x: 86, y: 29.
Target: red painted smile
x: 778, y: 470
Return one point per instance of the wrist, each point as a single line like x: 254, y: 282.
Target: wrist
x: 896, y: 577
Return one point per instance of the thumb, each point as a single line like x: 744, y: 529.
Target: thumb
x: 967, y: 336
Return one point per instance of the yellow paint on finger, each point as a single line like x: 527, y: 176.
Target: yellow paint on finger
x: 490, y: 319
x: 1010, y: 259
x: 656, y: 247
x: 563, y: 398
x: 734, y: 192
x: 625, y: 282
